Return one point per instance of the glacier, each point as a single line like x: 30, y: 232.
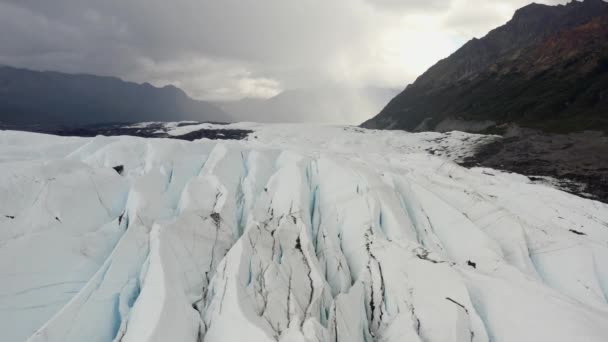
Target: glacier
x: 297, y: 233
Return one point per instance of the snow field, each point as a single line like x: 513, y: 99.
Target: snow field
x: 299, y: 233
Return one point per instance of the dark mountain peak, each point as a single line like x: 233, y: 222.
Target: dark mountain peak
x: 175, y: 91
x: 531, y: 11
x: 529, y: 25
x: 572, y: 13
x: 171, y: 87
x: 547, y: 66
x: 595, y: 3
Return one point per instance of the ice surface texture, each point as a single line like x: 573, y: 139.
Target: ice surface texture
x: 299, y: 233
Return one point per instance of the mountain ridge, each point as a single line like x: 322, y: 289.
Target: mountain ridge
x: 54, y: 98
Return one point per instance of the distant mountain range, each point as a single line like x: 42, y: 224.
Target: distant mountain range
x: 57, y: 99
x: 321, y: 105
x: 43, y: 100
x: 547, y: 68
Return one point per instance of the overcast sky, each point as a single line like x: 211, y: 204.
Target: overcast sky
x: 227, y: 49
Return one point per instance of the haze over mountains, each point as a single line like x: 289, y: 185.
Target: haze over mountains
x: 547, y: 68
x: 320, y: 105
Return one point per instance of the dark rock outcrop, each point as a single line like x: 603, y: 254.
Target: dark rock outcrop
x: 575, y: 162
x: 153, y: 130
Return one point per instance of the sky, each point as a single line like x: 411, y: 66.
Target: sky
x: 231, y: 49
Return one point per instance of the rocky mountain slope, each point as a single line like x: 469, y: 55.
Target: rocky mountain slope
x: 547, y: 68
x: 30, y: 99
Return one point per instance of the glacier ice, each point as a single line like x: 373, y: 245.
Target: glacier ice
x: 298, y: 233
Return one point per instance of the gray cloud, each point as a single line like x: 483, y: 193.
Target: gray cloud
x: 413, y: 5
x: 235, y: 48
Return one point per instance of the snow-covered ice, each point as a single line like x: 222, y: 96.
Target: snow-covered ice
x: 298, y: 233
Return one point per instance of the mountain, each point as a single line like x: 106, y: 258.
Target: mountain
x: 300, y: 233
x: 322, y: 105
x: 52, y: 98
x: 547, y: 68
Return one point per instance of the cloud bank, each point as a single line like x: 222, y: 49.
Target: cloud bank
x: 231, y: 49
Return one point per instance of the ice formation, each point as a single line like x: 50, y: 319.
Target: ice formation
x: 299, y: 233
